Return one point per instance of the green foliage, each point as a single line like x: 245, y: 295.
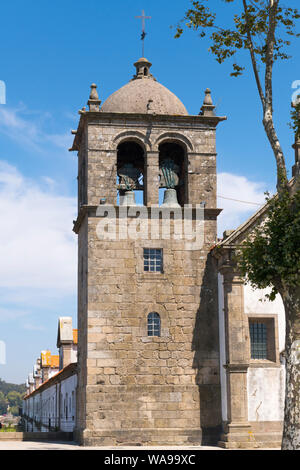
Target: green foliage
x: 11, y: 394
x: 264, y: 28
x: 9, y: 429
x: 14, y: 399
x: 249, y: 30
x: 3, y: 403
x: 7, y: 387
x: 14, y: 410
x: 270, y: 257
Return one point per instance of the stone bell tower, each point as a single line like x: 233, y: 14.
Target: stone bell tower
x: 148, y: 347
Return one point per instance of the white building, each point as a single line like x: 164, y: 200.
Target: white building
x: 50, y: 403
x: 252, y: 344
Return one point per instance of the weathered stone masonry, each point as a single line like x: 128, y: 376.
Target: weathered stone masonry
x: 133, y: 388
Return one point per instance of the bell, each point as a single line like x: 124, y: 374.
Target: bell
x: 128, y: 199
x: 170, y: 198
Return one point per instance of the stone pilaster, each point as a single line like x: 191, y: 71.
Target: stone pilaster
x: 46, y: 373
x: 237, y: 430
x: 66, y: 355
x: 151, y: 179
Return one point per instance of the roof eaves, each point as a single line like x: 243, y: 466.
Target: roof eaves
x: 72, y: 368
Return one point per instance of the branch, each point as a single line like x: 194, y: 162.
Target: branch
x: 253, y: 58
x: 270, y: 43
x: 254, y: 5
x: 268, y: 111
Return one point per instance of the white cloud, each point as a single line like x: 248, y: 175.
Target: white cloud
x: 33, y: 327
x: 37, y: 245
x: 8, y: 314
x: 26, y: 128
x: 234, y: 189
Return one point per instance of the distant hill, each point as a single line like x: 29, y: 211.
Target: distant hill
x: 11, y: 394
x: 6, y: 387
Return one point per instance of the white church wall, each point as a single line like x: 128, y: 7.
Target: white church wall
x: 254, y: 305
x: 266, y: 384
x: 266, y: 393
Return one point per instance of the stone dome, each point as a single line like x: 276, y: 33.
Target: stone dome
x: 143, y: 95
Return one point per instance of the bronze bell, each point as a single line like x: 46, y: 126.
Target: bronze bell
x: 170, y: 198
x: 128, y: 199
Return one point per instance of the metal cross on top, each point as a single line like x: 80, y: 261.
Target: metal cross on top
x: 143, y: 17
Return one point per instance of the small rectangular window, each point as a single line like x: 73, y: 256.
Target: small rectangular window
x: 258, y: 340
x: 153, y: 260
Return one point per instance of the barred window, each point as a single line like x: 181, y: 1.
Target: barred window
x: 153, y: 260
x: 258, y: 340
x: 153, y: 324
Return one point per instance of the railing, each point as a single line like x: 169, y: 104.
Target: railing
x: 48, y: 424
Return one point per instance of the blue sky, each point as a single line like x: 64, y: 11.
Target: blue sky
x: 50, y: 54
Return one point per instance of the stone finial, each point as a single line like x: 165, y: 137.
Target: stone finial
x: 208, y: 98
x: 94, y: 102
x: 208, y: 106
x: 94, y: 93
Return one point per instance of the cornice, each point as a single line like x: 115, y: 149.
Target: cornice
x: 142, y: 120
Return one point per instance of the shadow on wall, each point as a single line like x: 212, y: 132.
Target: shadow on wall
x: 205, y: 345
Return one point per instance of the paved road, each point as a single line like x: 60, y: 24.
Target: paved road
x: 30, y: 445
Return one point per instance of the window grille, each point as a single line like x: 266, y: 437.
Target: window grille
x: 258, y: 339
x: 153, y: 260
x: 153, y: 324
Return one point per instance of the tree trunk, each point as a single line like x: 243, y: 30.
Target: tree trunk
x: 291, y: 431
x: 282, y: 180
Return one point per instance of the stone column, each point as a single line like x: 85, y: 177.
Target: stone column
x: 237, y: 430
x: 151, y: 179
x: 46, y: 373
x: 296, y: 147
x: 66, y: 354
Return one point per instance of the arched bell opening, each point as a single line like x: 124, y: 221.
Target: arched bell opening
x: 130, y: 173
x: 172, y: 174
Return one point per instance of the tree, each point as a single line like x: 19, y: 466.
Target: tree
x: 14, y: 399
x: 6, y: 387
x: 3, y: 403
x: 271, y: 256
